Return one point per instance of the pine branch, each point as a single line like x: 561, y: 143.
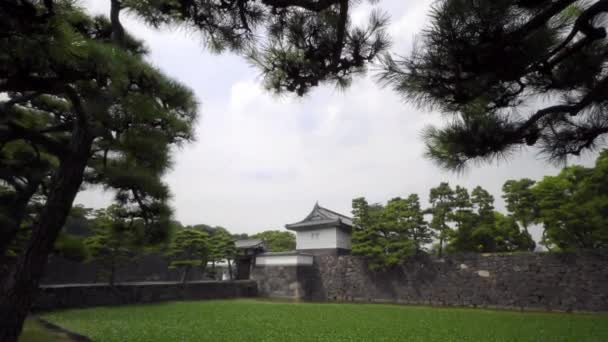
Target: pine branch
x: 542, y: 18
x: 13, y: 131
x: 311, y: 5
x: 118, y: 31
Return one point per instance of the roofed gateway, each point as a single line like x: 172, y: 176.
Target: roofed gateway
x: 323, y: 231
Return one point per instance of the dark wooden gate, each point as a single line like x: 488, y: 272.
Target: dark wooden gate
x: 243, y: 268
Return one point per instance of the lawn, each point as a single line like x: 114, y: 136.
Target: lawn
x: 253, y: 320
x: 33, y: 331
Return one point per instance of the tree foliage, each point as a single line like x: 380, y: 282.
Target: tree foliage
x: 469, y: 223
x: 80, y: 104
x: 486, y: 63
x: 80, y: 107
x: 277, y: 240
x: 116, y: 241
x: 222, y: 248
x: 297, y: 44
x: 573, y: 207
x: 501, y: 234
x: 190, y: 248
x: 388, y: 235
x: 520, y: 201
x: 441, y: 199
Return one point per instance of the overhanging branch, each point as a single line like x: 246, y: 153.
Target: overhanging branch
x: 311, y: 5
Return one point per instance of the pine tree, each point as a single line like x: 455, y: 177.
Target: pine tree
x: 369, y: 237
x: 520, y: 201
x: 441, y: 199
x: 277, y: 240
x: 465, y: 221
x: 84, y: 107
x: 222, y: 248
x: 486, y: 63
x: 416, y: 226
x: 190, y: 248
x: 115, y: 241
x: 84, y: 110
x: 388, y: 235
x: 573, y: 207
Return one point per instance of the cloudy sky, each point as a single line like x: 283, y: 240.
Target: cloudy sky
x: 261, y: 161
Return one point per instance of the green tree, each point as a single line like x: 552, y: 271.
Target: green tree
x: 483, y: 203
x: 115, y: 241
x: 388, y: 235
x: 484, y: 62
x: 573, y: 207
x: 479, y: 228
x: 98, y: 113
x: 71, y: 247
x: 70, y: 243
x: 84, y: 106
x: 277, y: 240
x: 502, y: 234
x: 221, y: 247
x: 369, y: 238
x: 189, y: 248
x: 406, y: 225
x: 464, y: 219
x: 520, y: 201
x: 441, y: 199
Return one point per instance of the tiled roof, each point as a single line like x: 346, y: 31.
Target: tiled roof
x: 320, y: 216
x: 249, y: 243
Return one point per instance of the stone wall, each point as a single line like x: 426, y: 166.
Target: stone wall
x: 149, y: 267
x: 563, y: 282
x: 288, y: 282
x: 53, y: 297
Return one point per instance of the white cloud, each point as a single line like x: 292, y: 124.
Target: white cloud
x: 262, y: 161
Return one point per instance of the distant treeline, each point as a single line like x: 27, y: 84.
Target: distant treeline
x: 111, y: 239
x: 571, y: 208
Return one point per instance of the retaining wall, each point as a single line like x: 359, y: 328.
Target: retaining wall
x: 527, y: 281
x: 53, y: 297
x: 150, y: 267
x: 552, y: 282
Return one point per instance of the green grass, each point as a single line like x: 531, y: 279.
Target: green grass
x: 33, y: 331
x: 252, y: 320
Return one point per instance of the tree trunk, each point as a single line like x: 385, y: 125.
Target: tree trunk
x: 112, y: 274
x: 19, y: 286
x: 19, y: 210
x: 229, y: 269
x: 525, y: 225
x: 185, y: 274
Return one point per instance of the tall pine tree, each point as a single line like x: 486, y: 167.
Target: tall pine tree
x: 510, y: 73
x: 83, y: 106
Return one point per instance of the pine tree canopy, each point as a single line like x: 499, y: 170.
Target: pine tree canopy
x: 388, y: 235
x: 297, y: 44
x: 573, y: 207
x: 277, y: 240
x: 509, y: 73
x: 69, y: 84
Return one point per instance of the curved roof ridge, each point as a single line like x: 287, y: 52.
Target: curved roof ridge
x: 335, y: 212
x: 320, y: 215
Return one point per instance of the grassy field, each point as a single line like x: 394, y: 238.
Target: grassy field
x: 33, y: 331
x: 252, y: 320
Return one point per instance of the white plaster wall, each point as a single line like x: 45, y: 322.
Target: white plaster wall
x: 315, y: 239
x: 342, y: 239
x: 283, y: 260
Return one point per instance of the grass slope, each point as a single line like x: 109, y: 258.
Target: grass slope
x: 33, y: 331
x: 252, y: 320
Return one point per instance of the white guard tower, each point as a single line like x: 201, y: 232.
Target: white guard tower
x: 323, y: 232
